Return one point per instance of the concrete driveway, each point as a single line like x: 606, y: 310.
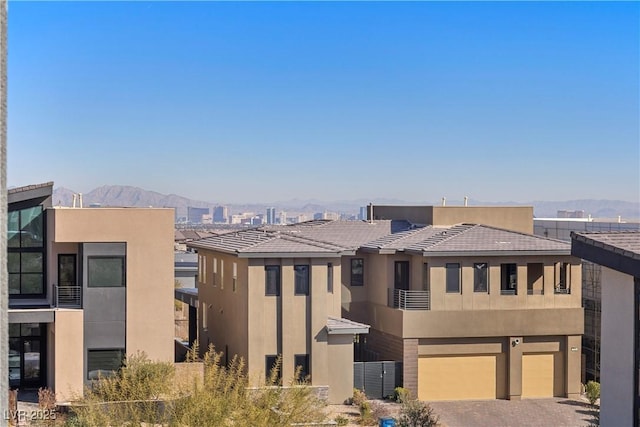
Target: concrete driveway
x: 514, y: 413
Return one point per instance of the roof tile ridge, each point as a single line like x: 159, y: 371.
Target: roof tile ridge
x: 313, y: 242
x: 451, y: 232
x: 405, y: 234
x: 522, y: 233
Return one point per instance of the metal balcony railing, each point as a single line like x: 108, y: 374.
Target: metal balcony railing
x: 67, y: 296
x: 409, y: 300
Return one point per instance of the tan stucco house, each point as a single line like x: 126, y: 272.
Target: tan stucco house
x: 473, y: 311
x: 87, y: 286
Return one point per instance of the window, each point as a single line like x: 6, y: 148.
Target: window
x: 106, y: 271
x: 221, y: 274
x: 357, y: 272
x: 480, y: 277
x: 199, y: 268
x: 103, y: 362
x: 271, y: 363
x: 203, y: 306
x: 272, y: 280
x: 401, y: 275
x: 204, y: 269
x: 301, y: 279
x: 215, y: 271
x: 329, y: 277
x: 453, y: 277
x: 235, y: 276
x: 425, y: 277
x: 562, y: 272
x: 302, y: 361
x: 26, y: 252
x: 508, y: 279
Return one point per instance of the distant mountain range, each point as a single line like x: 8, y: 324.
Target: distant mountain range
x: 118, y: 195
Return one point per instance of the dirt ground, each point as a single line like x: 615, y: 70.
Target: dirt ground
x: 387, y: 409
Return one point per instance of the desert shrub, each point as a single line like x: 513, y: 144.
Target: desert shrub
x: 341, y: 420
x: 366, y: 414
x: 401, y: 394
x: 592, y: 391
x: 417, y: 414
x: 143, y: 392
x: 358, y: 397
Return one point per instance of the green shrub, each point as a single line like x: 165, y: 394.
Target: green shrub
x: 341, y: 420
x: 417, y: 414
x: 401, y: 394
x: 592, y: 390
x: 358, y: 397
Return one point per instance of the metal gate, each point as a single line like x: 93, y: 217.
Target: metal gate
x: 377, y: 379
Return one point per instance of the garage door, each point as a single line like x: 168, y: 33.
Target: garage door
x: 537, y: 375
x: 457, y: 377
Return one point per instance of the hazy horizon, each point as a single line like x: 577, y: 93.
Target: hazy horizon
x: 235, y: 101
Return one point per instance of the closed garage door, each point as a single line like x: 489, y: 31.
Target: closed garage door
x: 537, y: 375
x: 457, y: 377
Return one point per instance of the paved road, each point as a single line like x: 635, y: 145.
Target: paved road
x: 555, y: 412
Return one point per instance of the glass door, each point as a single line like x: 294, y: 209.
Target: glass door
x: 68, y: 293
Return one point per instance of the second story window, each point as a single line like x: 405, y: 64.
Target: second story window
x: 301, y: 279
x: 106, y: 271
x: 272, y: 280
x: 357, y: 272
x: 401, y: 276
x: 508, y: 279
x: 330, y: 277
x: 562, y: 272
x: 480, y: 277
x: 453, y: 277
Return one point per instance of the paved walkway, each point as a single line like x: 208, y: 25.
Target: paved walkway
x: 555, y: 412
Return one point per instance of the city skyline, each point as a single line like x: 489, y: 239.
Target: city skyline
x: 336, y: 101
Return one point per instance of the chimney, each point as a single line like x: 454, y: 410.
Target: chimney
x: 80, y: 199
x: 73, y: 205
x: 370, y: 212
x: 444, y: 201
x: 466, y: 201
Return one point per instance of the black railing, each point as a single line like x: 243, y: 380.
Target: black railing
x: 67, y: 296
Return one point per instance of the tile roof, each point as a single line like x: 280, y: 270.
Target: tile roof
x: 483, y: 238
x: 29, y: 187
x: 626, y: 243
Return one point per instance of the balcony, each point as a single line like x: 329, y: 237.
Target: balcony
x: 408, y: 300
x: 560, y: 290
x: 67, y: 296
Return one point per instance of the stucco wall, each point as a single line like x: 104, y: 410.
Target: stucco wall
x: 68, y: 349
x: 616, y: 357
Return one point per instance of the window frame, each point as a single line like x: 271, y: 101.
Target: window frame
x: 450, y: 267
x: 357, y: 279
x: 94, y: 350
x: 123, y: 258
x: 302, y: 285
x: 476, y: 282
x: 305, y: 371
x: 278, y: 285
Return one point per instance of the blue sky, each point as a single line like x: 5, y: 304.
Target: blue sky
x: 239, y: 102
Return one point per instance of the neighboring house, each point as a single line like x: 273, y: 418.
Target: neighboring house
x: 619, y: 255
x: 561, y: 228
x: 87, y: 286
x: 472, y: 311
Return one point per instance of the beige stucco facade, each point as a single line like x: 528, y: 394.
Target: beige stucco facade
x: 535, y: 324
x: 242, y: 321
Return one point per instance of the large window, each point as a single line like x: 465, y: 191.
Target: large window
x: 106, y: 271
x: 508, y: 279
x: 480, y: 277
x: 302, y: 363
x: 453, y: 277
x: 26, y: 252
x: 301, y: 279
x: 272, y: 280
x: 357, y: 272
x: 103, y: 362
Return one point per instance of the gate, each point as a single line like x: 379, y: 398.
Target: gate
x: 377, y: 379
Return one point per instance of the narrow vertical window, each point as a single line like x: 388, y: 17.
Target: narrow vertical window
x: 301, y: 273
x: 357, y: 272
x: 301, y: 362
x: 508, y: 279
x: 221, y: 274
x: 235, y: 276
x: 272, y: 280
x: 425, y: 277
x: 330, y: 277
x: 453, y: 277
x: 480, y: 277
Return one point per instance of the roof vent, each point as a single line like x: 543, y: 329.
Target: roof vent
x: 444, y: 201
